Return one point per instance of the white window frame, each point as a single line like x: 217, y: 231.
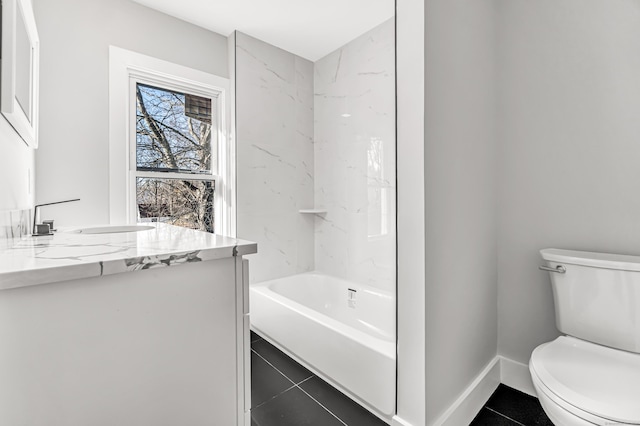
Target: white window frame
x: 126, y: 69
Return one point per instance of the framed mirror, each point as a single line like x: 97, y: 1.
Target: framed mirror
x: 19, y: 69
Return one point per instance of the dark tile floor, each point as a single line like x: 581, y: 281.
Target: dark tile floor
x: 284, y: 393
x: 509, y: 407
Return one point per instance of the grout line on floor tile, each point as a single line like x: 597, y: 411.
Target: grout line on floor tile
x: 320, y: 404
x: 273, y: 397
x: 273, y: 366
x: 506, y: 417
x: 304, y: 380
x: 296, y: 385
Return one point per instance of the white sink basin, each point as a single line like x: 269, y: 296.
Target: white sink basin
x: 114, y: 229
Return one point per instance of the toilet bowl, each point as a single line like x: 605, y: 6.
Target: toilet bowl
x: 582, y: 384
x: 591, y: 375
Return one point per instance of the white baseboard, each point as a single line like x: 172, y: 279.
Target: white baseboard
x: 516, y: 375
x: 471, y: 401
x: 500, y: 370
x: 397, y: 421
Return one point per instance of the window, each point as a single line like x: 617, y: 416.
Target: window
x: 174, y: 149
x: 170, y: 156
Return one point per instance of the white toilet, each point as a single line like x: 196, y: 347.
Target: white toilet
x: 592, y: 375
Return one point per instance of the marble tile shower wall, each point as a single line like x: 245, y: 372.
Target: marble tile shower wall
x: 354, y: 159
x: 274, y: 98
x: 318, y: 135
x: 14, y: 224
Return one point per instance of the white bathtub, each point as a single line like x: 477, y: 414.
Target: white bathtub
x: 310, y: 318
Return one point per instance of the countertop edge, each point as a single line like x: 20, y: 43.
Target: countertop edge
x: 41, y: 275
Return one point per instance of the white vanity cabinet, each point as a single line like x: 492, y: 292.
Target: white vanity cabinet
x: 160, y: 344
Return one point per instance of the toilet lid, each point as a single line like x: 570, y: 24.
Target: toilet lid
x: 599, y: 380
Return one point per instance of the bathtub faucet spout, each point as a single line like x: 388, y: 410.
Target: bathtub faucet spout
x: 351, y: 298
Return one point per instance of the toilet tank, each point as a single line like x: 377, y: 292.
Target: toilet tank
x: 597, y: 298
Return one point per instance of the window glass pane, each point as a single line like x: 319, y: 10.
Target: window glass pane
x: 187, y: 203
x: 174, y: 131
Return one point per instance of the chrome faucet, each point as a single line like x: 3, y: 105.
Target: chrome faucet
x: 46, y: 227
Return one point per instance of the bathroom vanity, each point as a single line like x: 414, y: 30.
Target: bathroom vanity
x: 124, y: 328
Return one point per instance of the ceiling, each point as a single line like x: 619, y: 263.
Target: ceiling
x: 308, y: 28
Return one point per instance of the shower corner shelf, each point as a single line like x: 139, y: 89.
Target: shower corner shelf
x: 312, y: 211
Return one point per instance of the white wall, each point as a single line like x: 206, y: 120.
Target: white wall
x: 274, y: 124
x: 569, y: 120
x: 16, y: 170
x: 17, y: 173
x: 562, y: 80
x: 410, y: 54
x: 447, y: 198
x: 460, y: 197
x: 75, y: 34
x: 355, y: 160
x: 17, y: 182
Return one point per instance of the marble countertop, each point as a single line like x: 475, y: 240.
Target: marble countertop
x: 70, y: 255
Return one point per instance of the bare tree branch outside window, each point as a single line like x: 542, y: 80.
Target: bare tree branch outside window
x: 173, y: 134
